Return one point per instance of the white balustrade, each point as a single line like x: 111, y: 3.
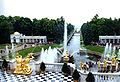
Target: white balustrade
x: 56, y: 67
x: 53, y: 67
x: 101, y: 77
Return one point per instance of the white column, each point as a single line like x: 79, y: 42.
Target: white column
x: 29, y: 41
x: 32, y: 40
x: 113, y: 40
x: 117, y: 40
x: 109, y: 40
x: 23, y: 40
x: 102, y: 41
x: 26, y: 40
x: 40, y: 41
x: 43, y: 40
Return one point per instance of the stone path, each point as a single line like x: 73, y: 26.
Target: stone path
x: 47, y: 77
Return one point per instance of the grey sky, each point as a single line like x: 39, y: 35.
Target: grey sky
x: 74, y: 11
x: 1, y: 7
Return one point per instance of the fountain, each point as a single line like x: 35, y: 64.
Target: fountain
x: 49, y: 55
x: 109, y: 51
x: 106, y: 50
x: 118, y: 54
x: 113, y: 52
x: 13, y: 51
x: 7, y: 52
x: 65, y: 38
x: 22, y: 65
x: 66, y: 56
x: 42, y: 51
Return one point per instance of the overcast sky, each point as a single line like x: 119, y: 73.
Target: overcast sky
x: 74, y: 11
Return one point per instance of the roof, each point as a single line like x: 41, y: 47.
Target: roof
x: 109, y: 37
x: 33, y: 37
x: 16, y: 33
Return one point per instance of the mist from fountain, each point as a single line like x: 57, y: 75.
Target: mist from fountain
x: 105, y: 50
x: 109, y: 52
x: 113, y: 52
x: 42, y: 51
x: 118, y: 54
x: 7, y: 52
x: 49, y: 55
x: 110, y: 49
x: 13, y: 51
x: 65, y: 39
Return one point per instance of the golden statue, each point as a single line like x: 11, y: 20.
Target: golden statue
x: 98, y: 64
x: 22, y: 65
x: 66, y: 57
x: 113, y: 61
x: 105, y: 63
x: 81, y: 65
x: 18, y: 63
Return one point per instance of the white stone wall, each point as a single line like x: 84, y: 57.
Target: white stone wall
x: 27, y: 39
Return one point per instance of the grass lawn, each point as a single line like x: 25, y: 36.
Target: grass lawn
x: 36, y: 49
x: 95, y: 48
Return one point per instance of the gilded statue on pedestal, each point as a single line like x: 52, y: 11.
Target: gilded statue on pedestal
x: 66, y: 57
x: 22, y: 65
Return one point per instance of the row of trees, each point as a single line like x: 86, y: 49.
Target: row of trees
x: 99, y: 27
x: 53, y: 29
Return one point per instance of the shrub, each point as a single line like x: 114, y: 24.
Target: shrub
x: 90, y: 77
x: 76, y: 75
x: 66, y: 69
x: 4, y: 64
x: 42, y: 66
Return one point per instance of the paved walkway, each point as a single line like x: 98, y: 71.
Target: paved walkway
x: 47, y: 77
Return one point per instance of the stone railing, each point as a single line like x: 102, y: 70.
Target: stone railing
x: 56, y: 67
x: 35, y: 65
x: 101, y: 77
x: 107, y: 77
x: 53, y: 67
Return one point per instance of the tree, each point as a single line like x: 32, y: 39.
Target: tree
x: 6, y: 29
x: 99, y: 27
x: 86, y: 33
x: 24, y: 26
x: 39, y: 27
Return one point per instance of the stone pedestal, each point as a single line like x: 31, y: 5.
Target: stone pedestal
x: 11, y: 64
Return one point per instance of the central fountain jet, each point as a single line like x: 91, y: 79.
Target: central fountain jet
x: 65, y: 39
x: 65, y: 52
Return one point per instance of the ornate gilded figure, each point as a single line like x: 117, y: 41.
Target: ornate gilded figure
x: 22, y: 65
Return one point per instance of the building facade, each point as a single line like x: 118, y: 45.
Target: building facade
x: 20, y: 38
x: 109, y: 39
